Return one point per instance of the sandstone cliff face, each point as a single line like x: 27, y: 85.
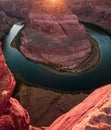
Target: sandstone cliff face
x: 7, y: 83
x: 94, y: 113
x: 94, y: 11
x: 12, y: 115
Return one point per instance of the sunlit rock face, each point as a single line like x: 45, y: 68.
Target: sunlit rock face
x: 5, y: 23
x: 7, y: 83
x: 94, y: 113
x: 14, y: 117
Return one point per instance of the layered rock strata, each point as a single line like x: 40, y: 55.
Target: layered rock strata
x: 7, y: 83
x: 94, y: 113
x: 12, y: 115
x: 98, y: 12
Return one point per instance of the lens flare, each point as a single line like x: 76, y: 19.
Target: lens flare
x: 54, y: 1
x: 55, y: 7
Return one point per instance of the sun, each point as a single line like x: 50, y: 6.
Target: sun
x: 55, y: 7
x: 57, y: 2
x: 54, y: 1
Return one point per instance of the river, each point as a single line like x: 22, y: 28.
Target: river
x: 40, y: 75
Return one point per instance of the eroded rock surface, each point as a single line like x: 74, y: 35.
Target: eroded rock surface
x: 14, y: 117
x: 94, y: 113
x: 60, y: 43
x: 7, y: 83
x: 94, y: 11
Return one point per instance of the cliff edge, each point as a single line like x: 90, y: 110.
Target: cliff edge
x: 94, y: 113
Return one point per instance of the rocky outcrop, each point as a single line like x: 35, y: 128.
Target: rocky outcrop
x: 44, y: 106
x: 16, y: 8
x: 98, y: 12
x: 94, y: 113
x: 14, y: 117
x: 5, y: 24
x: 7, y: 83
x: 58, y: 42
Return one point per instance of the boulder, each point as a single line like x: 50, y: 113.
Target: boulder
x: 14, y: 117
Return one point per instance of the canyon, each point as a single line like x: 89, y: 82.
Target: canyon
x: 54, y: 38
x: 94, y: 113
